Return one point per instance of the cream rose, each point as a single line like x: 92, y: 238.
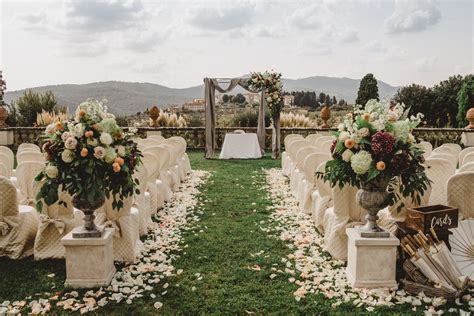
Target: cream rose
x: 121, y: 151
x: 99, y: 152
x: 106, y: 139
x: 51, y: 171
x: 70, y: 143
x: 77, y: 130
x: 67, y: 156
x: 344, y: 135
x: 363, y: 132
x: 110, y: 155
x: 51, y: 129
x: 92, y: 142
x: 65, y: 136
x: 347, y: 154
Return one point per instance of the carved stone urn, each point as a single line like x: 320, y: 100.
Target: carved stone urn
x: 325, y: 116
x: 90, y: 229
x: 3, y: 116
x: 154, y: 114
x: 373, y: 197
x: 470, y: 118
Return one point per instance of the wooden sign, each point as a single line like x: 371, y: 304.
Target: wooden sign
x: 438, y: 217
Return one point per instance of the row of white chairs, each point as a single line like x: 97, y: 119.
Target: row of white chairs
x: 24, y: 232
x: 335, y: 209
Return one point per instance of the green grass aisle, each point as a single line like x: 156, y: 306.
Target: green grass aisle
x: 220, y: 264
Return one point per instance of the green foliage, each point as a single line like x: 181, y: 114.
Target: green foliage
x: 239, y: 98
x: 305, y: 99
x: 31, y: 103
x: 249, y: 118
x: 446, y: 105
x: 368, y: 89
x: 195, y: 120
x: 420, y: 100
x: 12, y: 115
x: 225, y: 98
x: 465, y: 100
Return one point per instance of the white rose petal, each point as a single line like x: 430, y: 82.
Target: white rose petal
x: 106, y: 139
x: 51, y: 171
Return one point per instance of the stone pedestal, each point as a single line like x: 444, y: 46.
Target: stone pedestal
x: 149, y: 133
x: 371, y: 262
x: 6, y: 137
x: 467, y: 138
x: 89, y: 261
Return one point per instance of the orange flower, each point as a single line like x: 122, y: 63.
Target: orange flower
x: 349, y: 143
x: 59, y: 126
x: 366, y: 116
x: 119, y: 160
x: 82, y: 113
x: 89, y: 133
x: 95, y: 126
x: 84, y: 152
x: 116, y: 167
x: 380, y: 166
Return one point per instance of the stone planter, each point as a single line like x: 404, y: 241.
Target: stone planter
x: 90, y: 229
x: 373, y: 197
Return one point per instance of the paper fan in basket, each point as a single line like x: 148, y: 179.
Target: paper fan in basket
x: 462, y: 247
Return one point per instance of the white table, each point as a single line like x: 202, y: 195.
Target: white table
x: 240, y: 146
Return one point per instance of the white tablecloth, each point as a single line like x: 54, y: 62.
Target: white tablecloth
x: 240, y: 146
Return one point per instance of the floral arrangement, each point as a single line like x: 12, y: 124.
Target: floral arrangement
x: 272, y: 84
x: 375, y: 143
x: 88, y: 157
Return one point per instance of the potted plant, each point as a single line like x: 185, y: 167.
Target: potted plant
x: 91, y: 158
x: 375, y: 151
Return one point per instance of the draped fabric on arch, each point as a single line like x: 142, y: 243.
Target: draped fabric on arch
x: 210, y: 87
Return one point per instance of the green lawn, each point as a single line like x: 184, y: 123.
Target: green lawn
x: 221, y: 254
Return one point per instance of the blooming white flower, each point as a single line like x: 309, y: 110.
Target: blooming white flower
x: 96, y: 110
x: 70, y: 143
x: 269, y: 99
x: 121, y: 151
x: 65, y: 136
x: 67, y: 156
x: 99, y: 152
x: 347, y: 154
x: 378, y: 125
x: 110, y: 155
x: 106, y: 139
x: 363, y: 132
x: 51, y: 171
x: 411, y: 139
x: 360, y: 162
x: 51, y: 129
x: 344, y: 135
x: 401, y: 129
x: 77, y: 130
x: 92, y: 142
x: 340, y: 127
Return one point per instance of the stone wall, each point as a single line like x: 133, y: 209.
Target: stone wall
x: 195, y: 136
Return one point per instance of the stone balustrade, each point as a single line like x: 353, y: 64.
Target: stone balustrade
x: 195, y: 136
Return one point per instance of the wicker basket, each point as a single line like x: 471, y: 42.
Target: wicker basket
x: 416, y: 282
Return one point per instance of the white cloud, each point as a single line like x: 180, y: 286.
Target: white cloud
x: 427, y: 64
x: 311, y: 17
x: 221, y: 16
x: 412, y: 16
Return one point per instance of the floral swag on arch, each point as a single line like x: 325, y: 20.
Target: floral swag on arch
x: 270, y: 86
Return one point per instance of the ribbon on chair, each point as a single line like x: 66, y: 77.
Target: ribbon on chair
x: 116, y: 225
x: 46, y: 221
x: 4, y: 227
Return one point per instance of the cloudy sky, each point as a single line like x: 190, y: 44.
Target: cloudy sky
x: 177, y: 43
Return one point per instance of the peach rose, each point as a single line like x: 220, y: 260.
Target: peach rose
x: 380, y: 166
x: 84, y: 152
x: 82, y: 113
x: 89, y: 134
x: 349, y: 143
x: 366, y: 116
x: 119, y: 160
x: 116, y: 167
x: 59, y: 126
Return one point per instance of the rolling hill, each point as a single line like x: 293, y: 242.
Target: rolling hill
x: 132, y: 97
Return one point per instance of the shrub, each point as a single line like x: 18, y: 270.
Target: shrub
x: 30, y: 104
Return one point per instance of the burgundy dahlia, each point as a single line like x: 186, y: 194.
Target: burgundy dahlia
x: 401, y: 162
x: 382, y: 143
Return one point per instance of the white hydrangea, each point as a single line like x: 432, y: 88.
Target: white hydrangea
x: 96, y: 110
x: 76, y: 130
x: 110, y: 155
x: 67, y: 156
x: 106, y: 139
x: 360, y: 162
x: 401, y: 130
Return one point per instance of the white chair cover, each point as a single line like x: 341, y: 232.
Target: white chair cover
x: 186, y: 164
x: 455, y: 148
x: 461, y: 193
x: 155, y: 186
x: 445, y: 155
x: 28, y: 155
x: 180, y: 149
x: 158, y: 138
x: 5, y: 160
x: 173, y: 168
x: 126, y: 221
x: 321, y: 199
x: 321, y: 140
x: 18, y: 226
x: 286, y: 161
x: 345, y: 213
x: 147, y: 142
x: 298, y: 173
x: 142, y: 201
x: 313, y: 137
x: 445, y: 149
x: 427, y: 148
x: 307, y: 185
x: 469, y: 157
x: 3, y: 171
x: 467, y: 167
x: 55, y: 222
x: 9, y: 153
x: 162, y: 157
x: 438, y: 171
x: 26, y: 173
x: 463, y: 154
x: 28, y: 147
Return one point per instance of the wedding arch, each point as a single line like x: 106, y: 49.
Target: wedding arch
x: 269, y: 85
